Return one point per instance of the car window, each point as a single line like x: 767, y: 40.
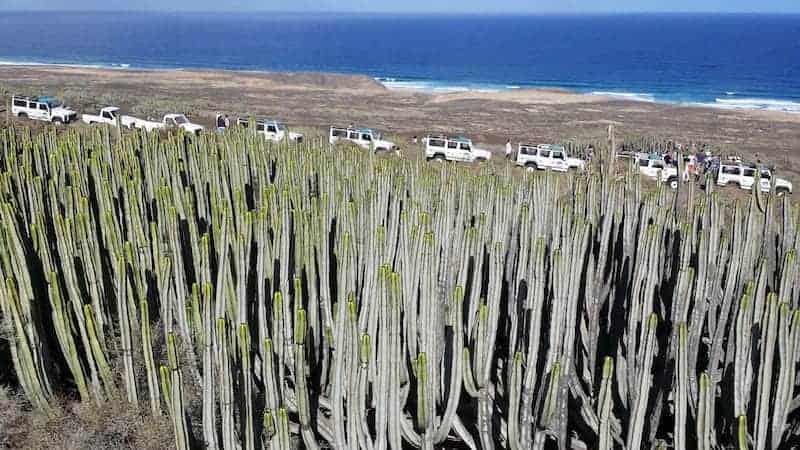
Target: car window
x: 544, y: 153
x: 658, y: 164
x: 42, y: 106
x: 464, y: 146
x: 765, y: 174
x: 259, y: 127
x: 22, y: 103
x: 644, y: 163
x: 366, y: 137
x: 452, y: 144
x: 435, y: 142
x: 272, y: 129
x: 749, y: 172
x: 730, y: 170
x: 526, y: 150
x: 558, y: 155
x: 339, y: 133
x: 353, y: 135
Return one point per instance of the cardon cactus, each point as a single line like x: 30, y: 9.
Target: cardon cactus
x: 339, y: 299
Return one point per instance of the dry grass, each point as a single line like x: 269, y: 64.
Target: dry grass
x: 75, y: 426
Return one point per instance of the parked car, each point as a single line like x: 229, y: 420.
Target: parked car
x: 48, y: 109
x: 541, y: 157
x: 657, y: 169
x: 107, y: 115
x: 271, y: 129
x: 366, y: 138
x: 744, y: 176
x: 457, y: 148
x: 169, y: 121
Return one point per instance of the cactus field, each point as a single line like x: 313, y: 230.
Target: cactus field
x: 277, y: 296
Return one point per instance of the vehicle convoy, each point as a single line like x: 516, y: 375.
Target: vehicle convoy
x: 366, y: 138
x: 657, y: 169
x: 48, y: 109
x: 744, y: 176
x: 169, y: 121
x: 107, y: 115
x: 458, y: 148
x: 271, y: 129
x: 547, y: 157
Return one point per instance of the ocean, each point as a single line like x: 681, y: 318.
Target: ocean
x: 724, y: 60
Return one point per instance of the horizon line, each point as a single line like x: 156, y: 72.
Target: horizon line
x: 411, y: 13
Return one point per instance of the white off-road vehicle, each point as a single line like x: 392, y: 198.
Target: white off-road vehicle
x: 744, y: 176
x: 657, y: 169
x: 42, y: 108
x: 169, y: 121
x: 457, y: 148
x: 366, y: 138
x: 107, y: 115
x: 272, y: 130
x: 542, y: 157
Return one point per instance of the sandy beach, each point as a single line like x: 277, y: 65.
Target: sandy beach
x: 319, y: 100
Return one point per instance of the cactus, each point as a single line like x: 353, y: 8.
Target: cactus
x: 339, y: 299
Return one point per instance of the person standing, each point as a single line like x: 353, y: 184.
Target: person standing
x: 509, y: 149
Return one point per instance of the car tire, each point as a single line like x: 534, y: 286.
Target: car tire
x: 57, y: 121
x: 480, y: 160
x: 438, y: 157
x: 780, y: 192
x: 673, y: 183
x: 22, y: 115
x: 531, y: 167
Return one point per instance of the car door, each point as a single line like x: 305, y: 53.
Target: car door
x: 465, y: 151
x: 646, y: 168
x: 42, y: 111
x: 452, y: 151
x: 747, y: 177
x: 558, y: 160
x: 366, y: 140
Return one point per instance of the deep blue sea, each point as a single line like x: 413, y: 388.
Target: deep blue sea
x: 727, y: 61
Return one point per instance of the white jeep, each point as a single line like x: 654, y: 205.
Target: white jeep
x: 107, y: 115
x: 366, y: 138
x: 744, y: 176
x: 457, y: 148
x: 169, y: 121
x: 271, y: 129
x: 542, y: 157
x: 657, y: 169
x: 42, y: 108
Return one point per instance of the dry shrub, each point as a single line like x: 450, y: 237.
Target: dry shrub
x: 114, y: 424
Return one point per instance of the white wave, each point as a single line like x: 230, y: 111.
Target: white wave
x: 765, y: 104
x: 52, y: 64
x: 633, y: 96
x: 438, y: 86
x: 730, y: 93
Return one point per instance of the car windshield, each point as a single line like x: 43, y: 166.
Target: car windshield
x: 765, y: 174
x: 181, y: 119
x: 281, y: 126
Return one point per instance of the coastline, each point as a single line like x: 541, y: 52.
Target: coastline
x: 725, y: 101
x: 318, y: 100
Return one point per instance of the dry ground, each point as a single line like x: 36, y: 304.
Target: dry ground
x: 319, y: 100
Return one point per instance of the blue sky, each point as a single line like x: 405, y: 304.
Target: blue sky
x: 412, y: 6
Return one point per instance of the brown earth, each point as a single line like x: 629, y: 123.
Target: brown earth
x: 319, y: 100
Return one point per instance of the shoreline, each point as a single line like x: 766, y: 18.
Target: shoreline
x: 730, y: 100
